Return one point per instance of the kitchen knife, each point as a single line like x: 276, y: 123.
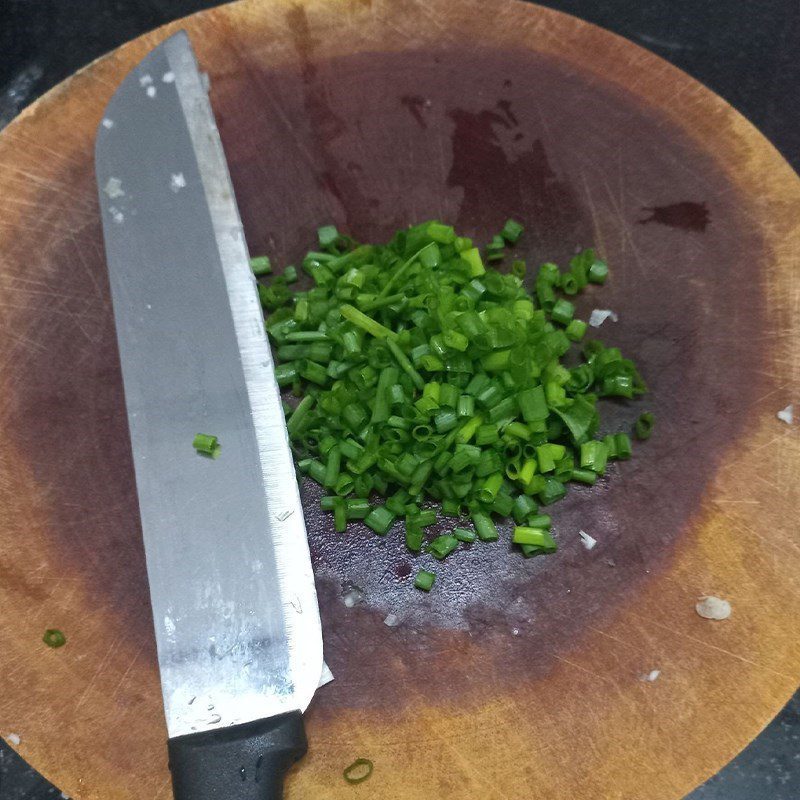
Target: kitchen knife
x: 234, y: 605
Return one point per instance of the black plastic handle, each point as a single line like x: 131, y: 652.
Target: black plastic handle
x: 243, y: 762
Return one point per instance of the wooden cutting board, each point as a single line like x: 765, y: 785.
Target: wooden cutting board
x: 513, y: 679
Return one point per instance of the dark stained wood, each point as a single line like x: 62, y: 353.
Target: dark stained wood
x: 513, y: 679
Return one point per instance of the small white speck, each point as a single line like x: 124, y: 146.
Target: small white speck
x: 600, y: 315
x: 108, y: 124
x: 13, y: 738
x: 327, y: 675
x: 146, y: 79
x: 713, y: 608
x: 151, y: 91
x: 587, y: 541
x: 353, y: 597
x: 177, y: 182
x: 391, y: 620
x: 116, y: 215
x: 427, y: 103
x: 515, y: 631
x: 651, y: 676
x: 168, y: 77
x: 284, y: 515
x: 787, y: 414
x: 65, y: 796
x: 169, y: 626
x: 113, y: 188
x: 148, y: 306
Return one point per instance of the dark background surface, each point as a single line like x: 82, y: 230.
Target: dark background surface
x: 748, y: 51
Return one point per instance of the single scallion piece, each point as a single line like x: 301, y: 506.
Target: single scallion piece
x: 644, y: 425
x: 424, y: 580
x: 358, y: 771
x: 261, y: 265
x: 207, y: 445
x: 465, y: 535
x: 442, y: 546
x: 54, y: 638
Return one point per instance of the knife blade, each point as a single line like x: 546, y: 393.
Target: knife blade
x: 232, y: 591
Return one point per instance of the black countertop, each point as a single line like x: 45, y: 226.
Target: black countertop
x: 746, y: 51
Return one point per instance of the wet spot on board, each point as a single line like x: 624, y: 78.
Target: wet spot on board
x: 495, y: 172
x: 687, y: 215
x: 403, y: 569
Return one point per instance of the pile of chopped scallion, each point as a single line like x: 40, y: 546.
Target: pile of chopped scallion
x: 427, y: 376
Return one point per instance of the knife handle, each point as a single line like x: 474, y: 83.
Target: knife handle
x: 242, y: 762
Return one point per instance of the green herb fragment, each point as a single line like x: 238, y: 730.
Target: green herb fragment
x: 465, y: 535
x: 442, y: 546
x: 54, y: 638
x: 538, y: 537
x: 512, y: 230
x: 644, y: 425
x: 424, y: 580
x: 327, y: 235
x: 260, y: 265
x: 358, y: 771
x: 207, y: 445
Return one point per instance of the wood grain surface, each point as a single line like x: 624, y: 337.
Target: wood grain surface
x: 513, y: 679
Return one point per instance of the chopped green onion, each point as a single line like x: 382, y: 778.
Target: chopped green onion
x: 380, y: 519
x: 583, y: 476
x: 340, y: 516
x: 359, y: 770
x: 425, y: 374
x: 563, y: 311
x: 260, y: 265
x: 357, y: 507
x: 328, y: 236
x: 576, y: 330
x: 54, y: 638
x: 442, y: 546
x: 484, y: 527
x: 413, y: 537
x: 512, y: 230
x: 524, y: 506
x: 622, y: 444
x: 644, y: 425
x: 465, y: 535
x: 424, y: 580
x: 207, y: 445
x: 364, y: 322
x: 598, y: 272
x: 538, y: 537
x: 538, y: 521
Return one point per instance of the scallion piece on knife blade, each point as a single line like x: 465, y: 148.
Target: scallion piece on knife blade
x: 206, y: 445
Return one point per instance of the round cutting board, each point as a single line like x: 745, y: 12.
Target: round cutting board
x: 513, y: 678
